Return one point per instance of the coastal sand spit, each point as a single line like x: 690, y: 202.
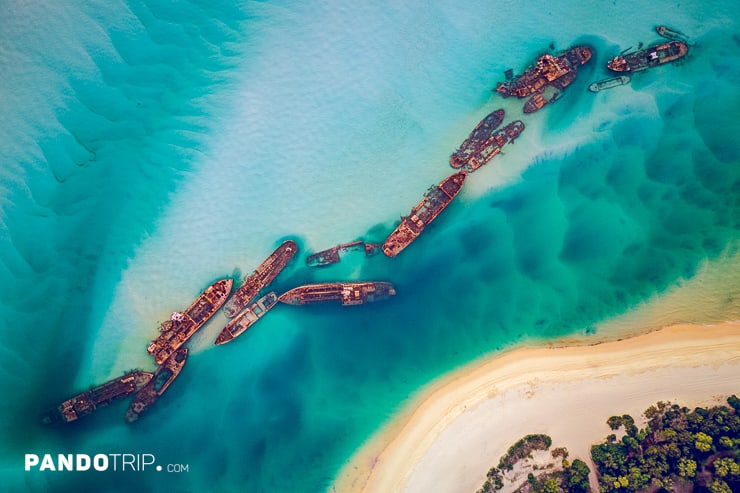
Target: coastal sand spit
x: 460, y: 426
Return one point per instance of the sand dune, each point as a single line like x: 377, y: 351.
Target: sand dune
x: 461, y: 425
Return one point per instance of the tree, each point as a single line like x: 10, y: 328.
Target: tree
x: 734, y: 402
x: 719, y: 486
x: 703, y: 442
x: 643, y: 434
x: 610, y: 458
x: 677, y: 443
x: 622, y: 482
x: 631, y: 443
x: 576, y: 477
x: 629, y: 425
x: 670, y: 434
x: 522, y: 449
x: 726, y: 466
x: 726, y: 442
x: 687, y: 467
x: 560, y: 452
x: 551, y: 485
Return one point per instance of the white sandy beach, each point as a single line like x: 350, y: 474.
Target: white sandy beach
x: 461, y: 426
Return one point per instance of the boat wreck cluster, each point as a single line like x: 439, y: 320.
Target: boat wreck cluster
x: 541, y: 83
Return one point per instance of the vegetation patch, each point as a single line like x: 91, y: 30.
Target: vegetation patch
x: 549, y: 473
x: 523, y: 449
x: 679, y: 450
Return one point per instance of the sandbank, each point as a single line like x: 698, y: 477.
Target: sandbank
x: 459, y: 426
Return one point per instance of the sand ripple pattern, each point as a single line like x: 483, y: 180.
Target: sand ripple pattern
x: 105, y: 107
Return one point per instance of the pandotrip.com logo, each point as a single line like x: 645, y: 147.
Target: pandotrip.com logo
x: 100, y: 463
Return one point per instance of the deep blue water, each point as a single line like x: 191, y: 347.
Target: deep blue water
x: 152, y: 150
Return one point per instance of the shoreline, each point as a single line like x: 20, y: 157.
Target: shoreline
x: 447, y: 432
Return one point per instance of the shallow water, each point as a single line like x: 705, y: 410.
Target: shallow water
x: 153, y: 151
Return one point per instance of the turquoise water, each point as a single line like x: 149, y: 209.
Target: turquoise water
x: 152, y: 150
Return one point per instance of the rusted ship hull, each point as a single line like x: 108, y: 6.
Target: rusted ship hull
x: 246, y: 318
x: 102, y: 395
x: 345, y: 293
x: 506, y: 135
x: 434, y: 202
x: 559, y: 71
x: 649, y: 57
x: 153, y: 390
x: 181, y: 327
x: 260, y: 278
x: 540, y: 99
x: 331, y: 255
x: 477, y: 139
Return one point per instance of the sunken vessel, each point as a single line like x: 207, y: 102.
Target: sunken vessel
x: 609, y: 83
x: 435, y: 200
x: 331, y: 255
x: 182, y: 325
x: 649, y: 57
x: 260, y: 278
x: 248, y: 317
x: 153, y: 390
x: 345, y: 293
x: 556, y: 71
x: 477, y: 140
x: 88, y: 402
x: 494, y: 145
x: 672, y: 34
